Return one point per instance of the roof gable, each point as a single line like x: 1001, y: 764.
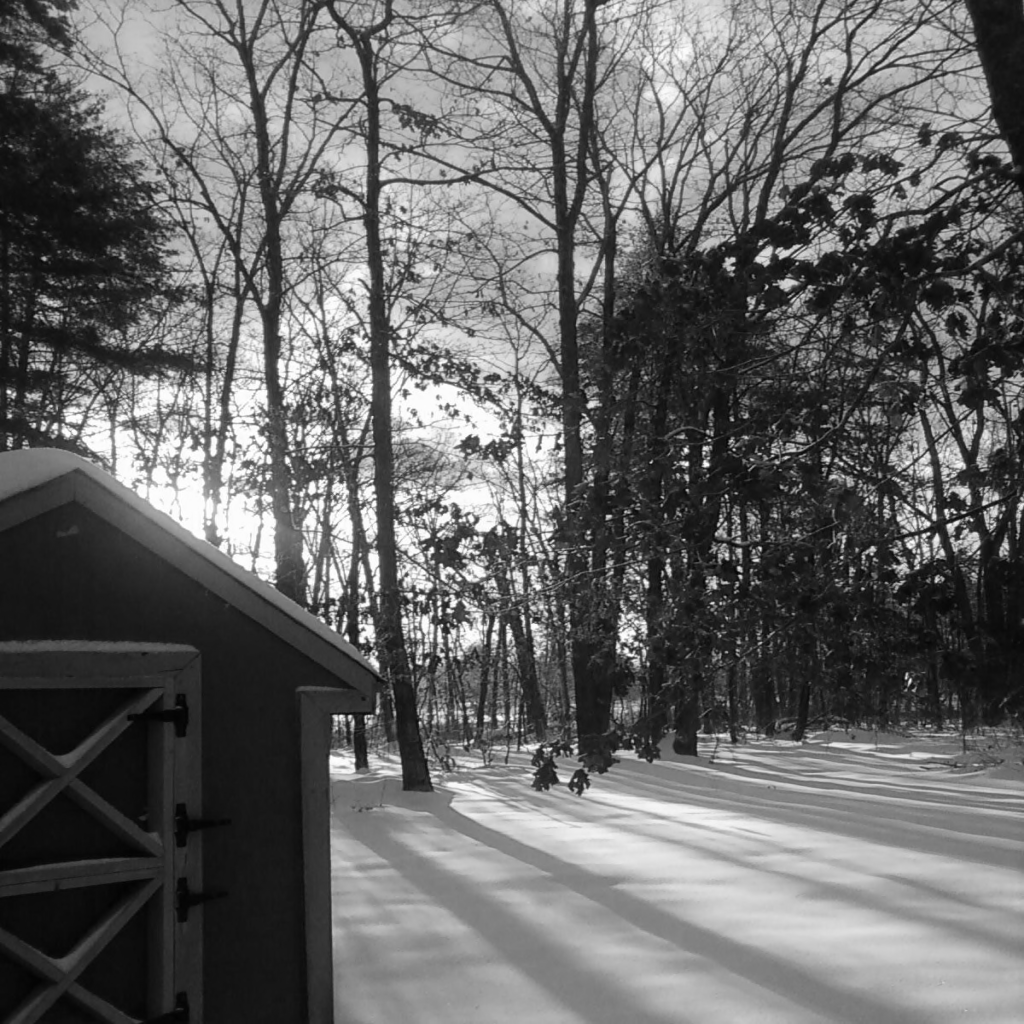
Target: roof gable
x: 34, y: 481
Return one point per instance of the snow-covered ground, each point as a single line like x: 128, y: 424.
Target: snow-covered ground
x: 870, y: 879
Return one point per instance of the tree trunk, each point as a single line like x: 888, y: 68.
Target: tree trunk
x: 592, y: 649
x: 525, y: 660
x: 390, y: 634
x: 290, y: 569
x: 732, y: 695
x: 536, y: 710
x: 6, y: 319
x: 803, y: 710
x: 654, y: 487
x: 485, y: 676
x: 763, y: 691
x: 657, y: 654
x: 999, y: 32
x: 352, y: 633
x: 359, y: 747
x: 217, y: 425
x: 968, y: 621
x: 687, y: 714
x: 811, y: 667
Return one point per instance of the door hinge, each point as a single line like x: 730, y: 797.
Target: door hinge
x: 178, y: 716
x: 183, y: 824
x: 179, y: 1015
x: 185, y: 899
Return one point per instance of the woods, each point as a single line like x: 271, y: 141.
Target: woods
x: 609, y: 369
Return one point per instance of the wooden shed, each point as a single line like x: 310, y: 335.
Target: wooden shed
x: 164, y: 790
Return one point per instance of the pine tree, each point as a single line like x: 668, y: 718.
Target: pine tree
x: 27, y: 27
x: 83, y: 245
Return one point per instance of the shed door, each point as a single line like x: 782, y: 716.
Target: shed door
x: 99, y: 752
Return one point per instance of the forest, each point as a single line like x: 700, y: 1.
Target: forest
x: 608, y: 370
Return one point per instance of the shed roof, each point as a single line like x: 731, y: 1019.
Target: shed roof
x: 35, y: 480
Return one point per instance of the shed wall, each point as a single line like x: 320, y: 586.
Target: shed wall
x: 68, y: 574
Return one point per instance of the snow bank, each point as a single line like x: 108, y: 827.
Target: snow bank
x: 839, y: 881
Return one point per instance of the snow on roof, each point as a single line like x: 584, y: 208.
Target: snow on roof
x: 22, y: 470
x: 27, y: 469
x: 96, y: 646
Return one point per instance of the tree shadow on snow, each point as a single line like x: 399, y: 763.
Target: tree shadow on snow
x: 581, y: 990
x: 771, y: 973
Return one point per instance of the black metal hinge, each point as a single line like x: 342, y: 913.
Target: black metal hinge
x: 178, y: 716
x: 185, y: 899
x: 179, y: 1015
x: 183, y: 824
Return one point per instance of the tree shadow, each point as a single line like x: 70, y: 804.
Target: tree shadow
x: 581, y: 990
x: 861, y: 896
x: 889, y: 827
x: 772, y: 973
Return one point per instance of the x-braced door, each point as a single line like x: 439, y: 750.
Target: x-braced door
x: 100, y: 872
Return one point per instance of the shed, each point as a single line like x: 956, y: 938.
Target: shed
x: 164, y: 790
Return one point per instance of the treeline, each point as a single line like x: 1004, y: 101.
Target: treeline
x: 612, y: 367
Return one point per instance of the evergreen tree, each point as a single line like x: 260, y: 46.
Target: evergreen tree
x: 83, y: 246
x: 26, y: 26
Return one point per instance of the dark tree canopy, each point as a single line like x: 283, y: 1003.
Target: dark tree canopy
x: 82, y: 243
x: 28, y: 25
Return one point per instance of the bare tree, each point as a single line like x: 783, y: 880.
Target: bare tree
x: 229, y: 112
x: 526, y: 85
x: 366, y: 41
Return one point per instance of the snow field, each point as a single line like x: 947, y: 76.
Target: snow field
x: 837, y: 881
